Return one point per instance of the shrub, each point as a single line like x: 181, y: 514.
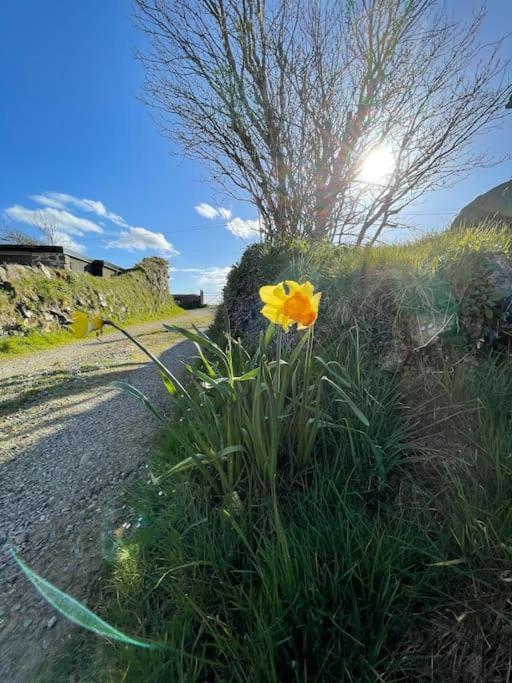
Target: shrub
x: 445, y: 283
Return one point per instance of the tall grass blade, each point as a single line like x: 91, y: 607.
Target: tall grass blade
x: 129, y: 389
x: 346, y: 399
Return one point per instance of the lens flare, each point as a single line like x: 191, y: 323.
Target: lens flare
x: 378, y: 165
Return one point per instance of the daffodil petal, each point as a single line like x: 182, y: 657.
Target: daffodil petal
x: 96, y: 322
x: 315, y: 301
x: 268, y: 296
x: 271, y: 313
x: 307, y: 289
x: 80, y: 324
x: 291, y: 286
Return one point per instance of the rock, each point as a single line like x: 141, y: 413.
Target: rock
x: 500, y: 275
x: 26, y: 312
x: 45, y: 271
x: 51, y: 622
x: 427, y: 330
x: 494, y: 208
x: 395, y: 358
x: 60, y: 315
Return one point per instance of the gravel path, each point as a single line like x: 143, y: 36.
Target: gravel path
x: 67, y: 442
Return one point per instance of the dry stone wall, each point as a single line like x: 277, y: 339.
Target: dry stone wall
x: 42, y: 298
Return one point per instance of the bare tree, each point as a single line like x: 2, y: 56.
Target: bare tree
x: 286, y: 98
x: 48, y: 230
x: 10, y: 235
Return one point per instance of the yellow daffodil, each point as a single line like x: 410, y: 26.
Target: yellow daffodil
x: 83, y: 323
x: 288, y: 302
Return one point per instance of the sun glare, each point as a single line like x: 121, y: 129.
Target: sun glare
x: 377, y: 165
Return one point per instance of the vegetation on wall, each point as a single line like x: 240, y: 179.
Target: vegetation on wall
x: 454, y: 286
x: 36, y: 303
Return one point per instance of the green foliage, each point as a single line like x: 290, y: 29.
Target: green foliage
x: 35, y: 340
x: 73, y: 610
x: 135, y: 296
x: 443, y: 278
x: 265, y: 520
x: 311, y: 515
x: 367, y: 581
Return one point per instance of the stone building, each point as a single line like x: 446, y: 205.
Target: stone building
x: 190, y: 300
x: 56, y: 257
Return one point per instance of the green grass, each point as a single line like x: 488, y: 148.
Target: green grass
x: 129, y: 298
x: 390, y: 539
x: 386, y: 290
x: 34, y: 341
x: 301, y: 543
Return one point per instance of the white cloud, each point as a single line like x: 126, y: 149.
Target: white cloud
x: 67, y: 242
x: 237, y: 226
x: 213, y: 277
x: 60, y: 200
x: 243, y: 229
x: 212, y: 280
x: 63, y: 220
x: 140, y: 239
x: 45, y: 200
x: 207, y: 211
x: 225, y: 213
x: 207, y: 276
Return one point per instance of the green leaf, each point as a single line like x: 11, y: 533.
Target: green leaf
x: 199, y: 338
x: 346, y: 399
x: 267, y: 337
x: 251, y: 374
x: 345, y: 380
x: 201, y: 458
x: 129, y: 389
x: 168, y: 383
x: 75, y: 611
x: 211, y: 372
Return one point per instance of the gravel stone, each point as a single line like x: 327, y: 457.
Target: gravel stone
x: 68, y: 445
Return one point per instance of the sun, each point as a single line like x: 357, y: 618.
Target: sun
x: 377, y: 165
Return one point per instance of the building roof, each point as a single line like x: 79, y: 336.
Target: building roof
x: 51, y: 249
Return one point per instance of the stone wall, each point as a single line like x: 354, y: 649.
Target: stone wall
x: 43, y: 298
x: 50, y: 258
x: 189, y: 301
x: 57, y: 258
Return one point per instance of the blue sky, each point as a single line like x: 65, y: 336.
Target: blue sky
x: 77, y: 143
